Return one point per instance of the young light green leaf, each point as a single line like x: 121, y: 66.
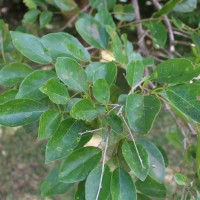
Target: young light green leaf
x: 31, y: 16
x: 141, y: 112
x: 45, y: 18
x: 186, y: 6
x: 131, y: 156
x: 51, y: 186
x: 101, y: 91
x: 14, y: 73
x: 124, y: 12
x: 8, y: 95
x: 185, y: 98
x: 72, y: 74
x: 115, y: 123
x: 92, y: 32
x: 30, y: 4
x: 151, y: 188
x: 134, y: 72
x: 64, y: 45
x: 31, y: 47
x: 180, y: 179
x: 176, y: 70
x: 78, y: 164
x: 29, y: 87
x: 49, y: 123
x: 19, y: 112
x: 56, y: 91
x: 156, y: 160
x: 92, y: 184
x: 122, y: 186
x: 64, y: 140
x: 84, y: 110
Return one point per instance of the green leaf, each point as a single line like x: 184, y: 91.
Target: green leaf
x: 185, y: 99
x: 72, y: 74
x: 176, y: 70
x: 45, y: 18
x: 156, y: 160
x: 56, y: 91
x: 159, y: 34
x: 116, y: 46
x: 124, y: 12
x: 101, y: 3
x: 19, y: 112
x: 93, y: 181
x: 49, y: 123
x: 180, y: 179
x: 29, y: 87
x: 196, y: 39
x: 114, y: 93
x: 175, y: 138
x: 141, y: 112
x: 4, y: 35
x: 79, y: 163
x: 30, y: 4
x: 31, y: 16
x: 84, y: 110
x: 14, y: 73
x: 115, y: 123
x: 80, y: 193
x: 151, y: 188
x: 31, y: 47
x: 122, y: 186
x: 198, y: 157
x: 64, y: 45
x: 65, y: 5
x: 64, y: 140
x: 100, y: 70
x: 92, y: 32
x: 168, y: 7
x: 134, y: 72
x: 131, y: 156
x: 51, y: 186
x: 7, y: 96
x: 101, y: 91
x: 142, y: 197
x: 186, y: 6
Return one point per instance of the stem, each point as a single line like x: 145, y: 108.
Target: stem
x: 91, y: 131
x: 103, y: 164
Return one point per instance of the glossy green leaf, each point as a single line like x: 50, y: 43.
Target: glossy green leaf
x: 116, y: 45
x: 31, y: 16
x: 168, y: 7
x: 84, y: 110
x: 141, y: 112
x: 45, y: 18
x: 124, y: 12
x: 198, y: 157
x: 186, y: 6
x: 49, y: 123
x: 20, y: 112
x: 156, y: 160
x: 56, y: 91
x: 92, y: 184
x: 128, y: 47
x: 114, y: 122
x: 8, y: 95
x: 176, y: 70
x: 31, y: 47
x: 185, y: 98
x: 64, y: 140
x: 80, y: 193
x: 134, y: 72
x: 101, y: 3
x: 64, y: 45
x: 151, y: 188
x: 122, y: 186
x: 65, y: 5
x: 51, y: 186
x: 14, y: 73
x: 29, y: 87
x: 180, y: 179
x: 92, y: 32
x: 78, y: 164
x: 100, y: 70
x: 72, y: 74
x: 131, y: 156
x: 101, y: 91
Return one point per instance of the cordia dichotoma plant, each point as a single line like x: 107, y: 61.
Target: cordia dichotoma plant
x: 112, y: 85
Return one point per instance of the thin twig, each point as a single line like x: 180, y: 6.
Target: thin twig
x: 103, y: 164
x: 192, y: 129
x: 138, y: 84
x: 91, y: 131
